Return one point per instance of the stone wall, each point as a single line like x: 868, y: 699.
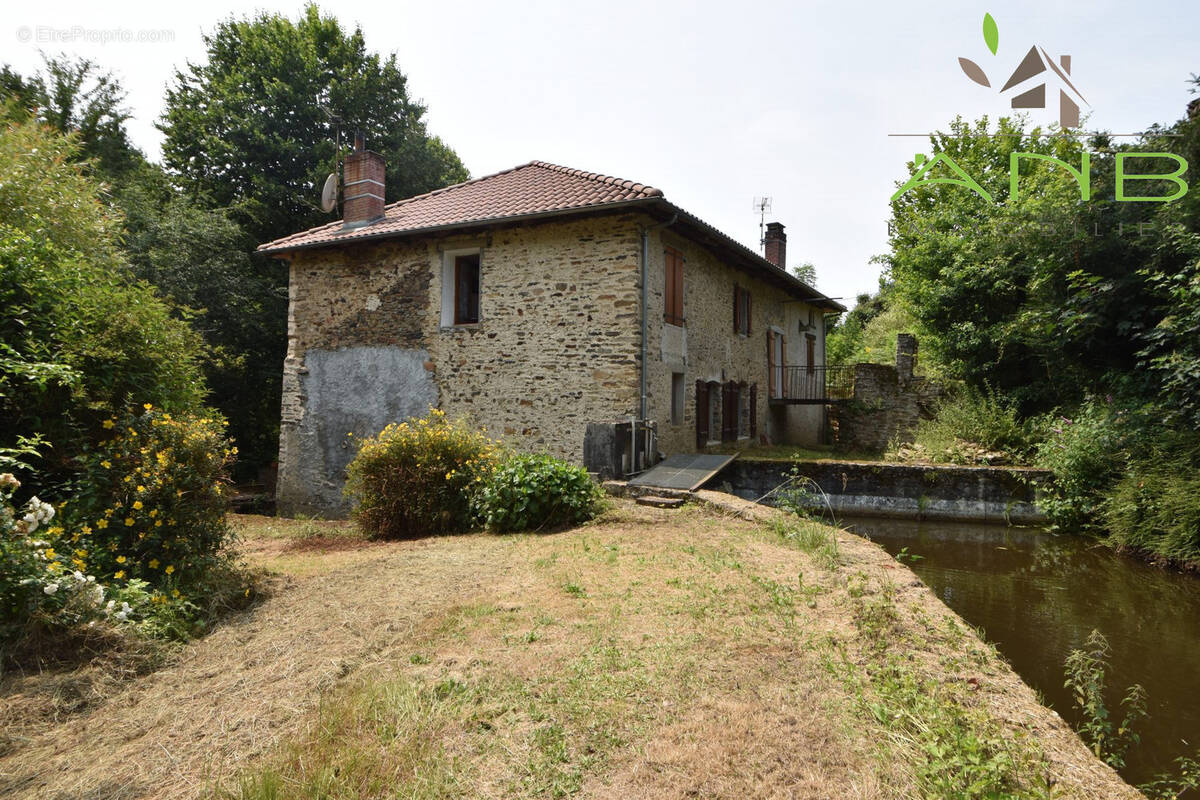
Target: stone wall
x: 910, y: 491
x: 706, y: 347
x: 888, y: 403
x: 555, y: 348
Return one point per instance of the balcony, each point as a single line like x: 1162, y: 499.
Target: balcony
x: 810, y: 385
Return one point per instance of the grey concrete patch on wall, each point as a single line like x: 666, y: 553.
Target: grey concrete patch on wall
x: 347, y: 393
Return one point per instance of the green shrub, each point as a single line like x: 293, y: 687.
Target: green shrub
x: 1086, y: 452
x: 143, y: 542
x: 1086, y: 671
x: 415, y: 477
x: 79, y: 337
x: 535, y: 491
x: 1154, y: 507
x: 972, y: 427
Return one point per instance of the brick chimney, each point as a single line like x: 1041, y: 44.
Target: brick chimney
x: 775, y: 245
x: 363, y: 183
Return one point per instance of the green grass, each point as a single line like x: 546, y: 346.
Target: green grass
x: 955, y: 748
x: 542, y: 692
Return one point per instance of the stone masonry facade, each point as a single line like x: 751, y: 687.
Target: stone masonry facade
x: 706, y: 347
x: 556, y: 345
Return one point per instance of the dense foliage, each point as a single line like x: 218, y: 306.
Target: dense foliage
x: 249, y: 128
x: 1051, y: 301
x: 415, y: 477
x: 143, y: 539
x: 535, y: 491
x: 199, y: 259
x: 248, y: 143
x: 153, y: 499
x: 972, y: 427
x: 86, y: 349
x: 80, y: 340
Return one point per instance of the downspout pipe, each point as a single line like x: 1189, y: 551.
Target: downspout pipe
x: 645, y: 345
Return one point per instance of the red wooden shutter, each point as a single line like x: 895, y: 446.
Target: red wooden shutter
x: 783, y: 371
x: 754, y: 411
x: 770, y: 363
x: 669, y: 286
x: 701, y: 414
x: 728, y: 411
x: 673, y: 296
x: 679, y: 288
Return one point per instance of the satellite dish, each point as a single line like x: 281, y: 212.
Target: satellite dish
x: 329, y: 193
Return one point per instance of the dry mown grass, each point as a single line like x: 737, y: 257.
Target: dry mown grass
x: 653, y: 654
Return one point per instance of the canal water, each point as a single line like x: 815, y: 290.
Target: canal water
x: 1037, y: 595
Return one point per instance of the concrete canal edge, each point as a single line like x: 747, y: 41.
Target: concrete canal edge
x: 906, y: 491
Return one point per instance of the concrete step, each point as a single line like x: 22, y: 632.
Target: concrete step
x: 659, y: 502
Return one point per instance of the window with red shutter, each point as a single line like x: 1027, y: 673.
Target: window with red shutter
x: 741, y: 310
x: 754, y: 411
x: 701, y: 414
x: 673, y: 296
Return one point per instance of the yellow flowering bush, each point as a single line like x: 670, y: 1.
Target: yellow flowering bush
x: 154, y: 500
x: 416, y: 476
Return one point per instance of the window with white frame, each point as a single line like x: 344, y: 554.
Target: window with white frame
x: 460, y: 287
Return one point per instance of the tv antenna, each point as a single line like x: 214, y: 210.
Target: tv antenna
x: 329, y: 192
x: 762, y: 205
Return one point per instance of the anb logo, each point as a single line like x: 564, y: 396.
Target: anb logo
x: 1029, y: 82
x: 1038, y: 65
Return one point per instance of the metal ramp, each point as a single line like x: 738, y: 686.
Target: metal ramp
x: 686, y: 472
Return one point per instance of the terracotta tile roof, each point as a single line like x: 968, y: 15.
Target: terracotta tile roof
x: 532, y: 189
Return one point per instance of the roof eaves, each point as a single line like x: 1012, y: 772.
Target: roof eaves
x: 763, y: 268
x: 280, y: 246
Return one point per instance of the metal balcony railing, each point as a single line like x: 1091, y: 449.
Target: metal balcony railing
x: 811, y: 384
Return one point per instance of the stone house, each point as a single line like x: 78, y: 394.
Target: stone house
x: 525, y: 300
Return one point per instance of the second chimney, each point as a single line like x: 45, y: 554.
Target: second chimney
x: 363, y: 183
x: 775, y: 243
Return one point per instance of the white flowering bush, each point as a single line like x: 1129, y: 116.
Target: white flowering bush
x: 38, y: 581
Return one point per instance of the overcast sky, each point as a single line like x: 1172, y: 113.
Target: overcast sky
x: 714, y: 103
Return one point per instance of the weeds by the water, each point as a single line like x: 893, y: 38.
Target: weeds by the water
x: 1086, y: 673
x: 956, y: 749
x: 815, y: 538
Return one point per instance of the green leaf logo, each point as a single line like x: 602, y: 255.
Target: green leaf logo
x: 990, y: 34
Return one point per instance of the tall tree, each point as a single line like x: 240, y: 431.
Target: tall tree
x: 250, y: 128
x: 74, y: 96
x: 195, y: 257
x: 1039, y: 296
x: 249, y: 133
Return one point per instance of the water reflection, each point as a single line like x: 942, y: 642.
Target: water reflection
x: 1037, y: 595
